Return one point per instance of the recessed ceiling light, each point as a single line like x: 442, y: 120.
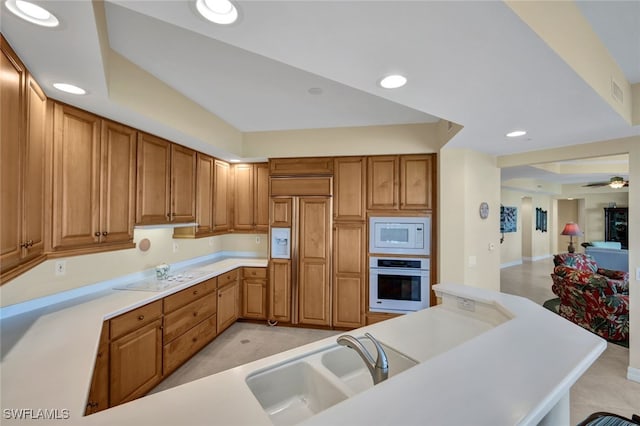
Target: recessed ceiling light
x: 32, y: 13
x: 516, y: 133
x: 393, y: 81
x: 69, y: 88
x: 218, y: 11
x: 233, y: 160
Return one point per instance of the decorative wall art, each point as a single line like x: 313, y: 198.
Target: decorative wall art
x: 541, y: 220
x: 508, y: 219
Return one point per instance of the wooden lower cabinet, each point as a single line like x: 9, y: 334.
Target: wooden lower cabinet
x: 185, y: 346
x: 228, y: 298
x: 99, y: 392
x: 280, y: 290
x: 349, y: 274
x: 254, y: 293
x: 136, y: 363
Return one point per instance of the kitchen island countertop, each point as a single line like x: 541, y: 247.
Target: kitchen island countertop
x: 485, y: 358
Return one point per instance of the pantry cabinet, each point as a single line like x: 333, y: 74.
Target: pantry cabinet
x: 23, y: 147
x: 280, y: 290
x: 349, y: 182
x: 349, y: 274
x: 93, y: 180
x: 254, y: 293
x: 136, y: 353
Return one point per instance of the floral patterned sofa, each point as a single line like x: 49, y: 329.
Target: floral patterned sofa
x: 594, y: 298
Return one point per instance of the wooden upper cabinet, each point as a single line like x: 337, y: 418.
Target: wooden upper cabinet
x: 382, y: 183
x: 93, y: 180
x: 76, y: 178
x: 416, y: 172
x: 243, y: 200
x: 281, y: 212
x: 349, y: 189
x: 153, y: 203
x: 301, y: 166
x: 261, y: 197
x: 402, y: 182
x: 183, y: 184
x: 204, y: 193
x: 12, y: 110
x: 222, y: 200
x: 118, y: 192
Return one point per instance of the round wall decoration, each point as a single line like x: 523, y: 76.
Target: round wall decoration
x: 484, y: 210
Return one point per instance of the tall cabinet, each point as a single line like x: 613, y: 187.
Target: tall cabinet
x: 616, y: 225
x: 22, y: 144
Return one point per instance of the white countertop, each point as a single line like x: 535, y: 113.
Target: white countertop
x: 508, y: 363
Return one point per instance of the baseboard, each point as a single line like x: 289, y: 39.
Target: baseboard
x: 536, y: 258
x: 508, y: 264
x: 633, y: 374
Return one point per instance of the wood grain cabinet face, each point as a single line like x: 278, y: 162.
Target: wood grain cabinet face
x: 98, y: 399
x: 243, y: 200
x: 281, y: 212
x: 254, y: 293
x: 280, y: 290
x: 154, y: 184
x: 204, y: 194
x: 228, y: 302
x: 349, y: 189
x: 22, y: 141
x: 261, y: 197
x: 183, y: 184
x: 416, y: 173
x: 382, y: 183
x: 349, y: 274
x: 222, y: 200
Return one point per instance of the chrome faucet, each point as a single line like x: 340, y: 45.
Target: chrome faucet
x: 379, y: 368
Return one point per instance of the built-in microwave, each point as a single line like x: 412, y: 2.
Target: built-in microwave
x: 400, y: 235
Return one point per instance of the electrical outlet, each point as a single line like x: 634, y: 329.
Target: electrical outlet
x: 61, y: 267
x: 257, y: 240
x: 466, y: 304
x: 176, y: 247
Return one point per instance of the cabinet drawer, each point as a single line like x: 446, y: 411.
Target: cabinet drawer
x: 188, y: 295
x: 227, y: 278
x: 181, y: 320
x: 182, y: 348
x: 254, y: 272
x: 135, y: 319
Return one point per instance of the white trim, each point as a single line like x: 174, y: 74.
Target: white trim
x: 508, y: 264
x: 633, y: 374
x: 536, y: 258
x: 41, y: 302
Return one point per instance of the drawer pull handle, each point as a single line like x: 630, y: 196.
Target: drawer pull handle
x: 140, y: 317
x: 195, y: 339
x: 195, y: 292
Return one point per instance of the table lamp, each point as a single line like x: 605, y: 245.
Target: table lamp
x: 571, y: 229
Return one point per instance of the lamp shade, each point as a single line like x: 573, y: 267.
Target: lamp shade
x: 571, y: 229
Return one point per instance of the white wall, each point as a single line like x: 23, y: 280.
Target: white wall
x: 93, y: 268
x: 469, y: 245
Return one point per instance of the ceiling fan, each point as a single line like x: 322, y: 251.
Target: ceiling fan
x: 616, y: 182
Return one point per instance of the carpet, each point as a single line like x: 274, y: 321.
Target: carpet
x: 554, y: 306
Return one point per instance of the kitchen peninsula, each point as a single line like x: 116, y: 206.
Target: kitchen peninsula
x: 483, y: 358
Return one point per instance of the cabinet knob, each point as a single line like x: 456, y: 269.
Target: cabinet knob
x: 105, y: 233
x: 195, y: 314
x: 140, y: 317
x: 23, y: 245
x: 97, y: 234
x: 195, y: 292
x: 195, y: 339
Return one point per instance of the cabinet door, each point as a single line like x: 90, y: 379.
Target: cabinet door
x: 382, y: 183
x: 243, y: 197
x: 314, y: 261
x: 416, y: 182
x: 204, y: 194
x: 118, y: 146
x: 183, y: 184
x: 221, y: 196
x: 76, y: 178
x: 349, y: 274
x: 34, y: 166
x: 261, y: 197
x: 281, y: 212
x: 280, y: 290
x: 99, y: 392
x: 12, y: 110
x: 153, y: 203
x: 254, y: 296
x: 227, y: 305
x: 136, y: 363
x: 349, y: 188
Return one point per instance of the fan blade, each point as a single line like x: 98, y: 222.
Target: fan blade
x: 596, y: 184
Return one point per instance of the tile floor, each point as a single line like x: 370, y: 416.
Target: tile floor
x: 603, y: 387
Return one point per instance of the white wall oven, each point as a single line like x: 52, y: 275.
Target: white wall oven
x: 398, y: 285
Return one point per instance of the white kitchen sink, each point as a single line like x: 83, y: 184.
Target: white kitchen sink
x: 296, y: 390
x: 347, y: 365
x: 293, y: 392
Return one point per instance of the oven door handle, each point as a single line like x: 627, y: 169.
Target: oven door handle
x: 393, y: 271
